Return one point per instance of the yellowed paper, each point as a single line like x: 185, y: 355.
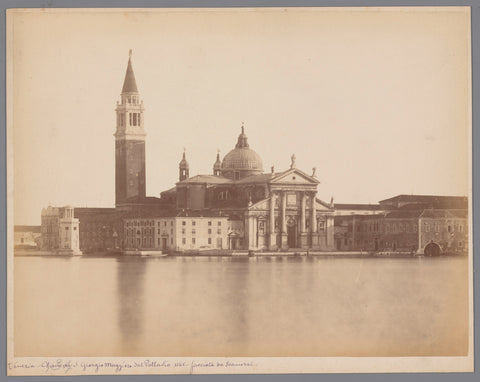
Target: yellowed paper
x: 374, y: 102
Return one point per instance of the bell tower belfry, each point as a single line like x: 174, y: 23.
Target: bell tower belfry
x: 129, y: 142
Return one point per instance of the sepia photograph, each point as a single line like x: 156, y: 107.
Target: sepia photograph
x: 239, y: 190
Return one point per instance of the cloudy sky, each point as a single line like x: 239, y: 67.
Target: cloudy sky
x: 377, y: 100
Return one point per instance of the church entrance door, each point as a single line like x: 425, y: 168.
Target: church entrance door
x: 292, y: 233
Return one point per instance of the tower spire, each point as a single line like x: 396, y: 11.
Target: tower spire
x: 129, y: 84
x: 217, y: 166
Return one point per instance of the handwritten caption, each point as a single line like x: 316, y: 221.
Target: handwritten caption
x: 67, y: 366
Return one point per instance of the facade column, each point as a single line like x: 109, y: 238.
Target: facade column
x: 251, y: 232
x: 419, y: 233
x: 255, y: 232
x: 313, y: 221
x: 273, y: 238
x: 303, y: 232
x: 329, y: 232
x: 284, y: 220
x: 302, y: 214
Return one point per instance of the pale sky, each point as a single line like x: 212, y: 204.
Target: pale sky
x: 377, y: 100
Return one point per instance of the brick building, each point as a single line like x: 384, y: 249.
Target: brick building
x: 420, y: 224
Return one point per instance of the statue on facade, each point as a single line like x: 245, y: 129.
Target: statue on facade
x: 273, y: 169
x: 314, y: 170
x: 292, y: 165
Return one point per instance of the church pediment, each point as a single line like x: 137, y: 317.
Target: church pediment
x: 294, y: 176
x: 262, y: 205
x: 320, y: 205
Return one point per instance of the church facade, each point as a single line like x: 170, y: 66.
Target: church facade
x: 266, y: 211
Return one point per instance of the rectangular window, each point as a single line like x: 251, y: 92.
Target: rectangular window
x: 194, y: 222
x: 184, y: 223
x: 291, y: 199
x: 164, y: 223
x: 219, y: 231
x: 209, y: 223
x: 74, y: 228
x: 183, y: 231
x: 460, y: 243
x: 219, y: 223
x: 427, y: 227
x: 193, y: 240
x: 209, y: 240
x: 134, y: 119
x: 193, y: 232
x: 184, y: 241
x: 209, y: 231
x: 66, y: 228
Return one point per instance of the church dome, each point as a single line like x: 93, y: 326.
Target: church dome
x: 242, y: 160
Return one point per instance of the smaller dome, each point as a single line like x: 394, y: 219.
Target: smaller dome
x: 218, y: 163
x: 183, y: 163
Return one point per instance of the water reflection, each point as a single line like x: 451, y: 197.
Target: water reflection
x: 240, y: 306
x: 237, y: 294
x: 130, y: 295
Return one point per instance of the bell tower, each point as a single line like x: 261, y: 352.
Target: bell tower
x: 183, y: 168
x: 129, y: 142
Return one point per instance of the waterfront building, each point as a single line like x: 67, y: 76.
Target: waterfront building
x: 178, y: 233
x: 420, y: 224
x: 27, y: 236
x: 60, y: 231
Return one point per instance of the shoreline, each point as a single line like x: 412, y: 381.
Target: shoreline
x: 238, y: 254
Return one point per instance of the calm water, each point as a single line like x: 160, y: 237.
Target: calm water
x: 264, y: 306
